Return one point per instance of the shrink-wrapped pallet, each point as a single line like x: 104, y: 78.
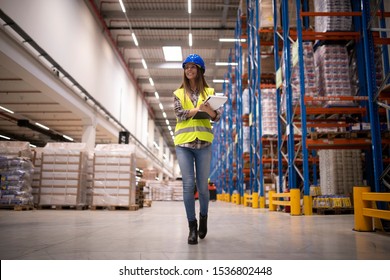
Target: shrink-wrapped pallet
x: 15, y: 149
x: 63, y: 175
x: 340, y: 171
x: 16, y: 175
x: 114, y: 182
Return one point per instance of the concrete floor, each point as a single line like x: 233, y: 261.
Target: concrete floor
x: 160, y: 233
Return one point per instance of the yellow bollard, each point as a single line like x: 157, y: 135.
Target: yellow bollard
x: 362, y: 223
x: 255, y: 200
x: 308, y: 205
x: 262, y: 202
x: 245, y: 199
x: 295, y: 200
x: 272, y: 206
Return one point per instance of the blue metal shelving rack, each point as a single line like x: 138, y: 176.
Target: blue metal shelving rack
x: 238, y: 95
x: 256, y: 184
x: 372, y: 90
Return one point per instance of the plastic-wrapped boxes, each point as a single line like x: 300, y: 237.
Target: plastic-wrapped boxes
x: 114, y: 182
x: 63, y: 175
x: 334, y: 75
x: 268, y: 111
x: 340, y: 170
x: 332, y: 23
x: 16, y: 175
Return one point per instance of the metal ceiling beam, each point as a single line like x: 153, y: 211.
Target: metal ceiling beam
x: 168, y: 14
x: 204, y: 44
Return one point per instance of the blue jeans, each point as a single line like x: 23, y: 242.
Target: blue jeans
x: 202, y: 159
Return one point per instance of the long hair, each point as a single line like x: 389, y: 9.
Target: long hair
x: 200, y: 82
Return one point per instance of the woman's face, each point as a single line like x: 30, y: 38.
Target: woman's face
x: 191, y: 70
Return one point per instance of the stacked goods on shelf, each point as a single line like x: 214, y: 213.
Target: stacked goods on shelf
x: 63, y: 175
x: 332, y: 23
x: 334, y: 75
x: 177, y: 187
x: 332, y: 201
x: 245, y: 102
x: 16, y: 175
x: 268, y: 111
x: 36, y: 182
x: 340, y: 171
x: 114, y: 182
x: 160, y: 191
x: 266, y: 19
x: 310, y: 76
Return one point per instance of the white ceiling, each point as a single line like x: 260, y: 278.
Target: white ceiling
x: 156, y: 24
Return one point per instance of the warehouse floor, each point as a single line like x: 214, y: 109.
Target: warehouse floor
x: 160, y: 232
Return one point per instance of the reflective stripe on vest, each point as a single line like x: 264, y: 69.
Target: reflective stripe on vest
x: 188, y: 130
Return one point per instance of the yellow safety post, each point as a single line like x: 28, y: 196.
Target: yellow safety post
x: 362, y: 223
x: 227, y: 198
x: 295, y: 198
x: 242, y: 200
x: 255, y: 200
x: 262, y: 202
x: 245, y: 199
x: 272, y: 206
x: 307, y: 205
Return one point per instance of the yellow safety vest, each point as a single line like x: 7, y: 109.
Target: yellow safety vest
x: 188, y: 130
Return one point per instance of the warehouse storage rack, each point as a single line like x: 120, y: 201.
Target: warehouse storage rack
x: 367, y: 80
x: 223, y: 146
x: 297, y: 158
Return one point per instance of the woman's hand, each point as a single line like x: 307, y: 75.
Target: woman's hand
x: 207, y: 108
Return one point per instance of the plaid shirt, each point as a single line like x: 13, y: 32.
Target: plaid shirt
x: 181, y: 114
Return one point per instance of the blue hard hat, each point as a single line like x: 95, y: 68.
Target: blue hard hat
x: 194, y: 58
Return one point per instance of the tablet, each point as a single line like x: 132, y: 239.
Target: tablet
x: 216, y: 101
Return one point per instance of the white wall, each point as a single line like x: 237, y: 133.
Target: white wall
x: 68, y: 32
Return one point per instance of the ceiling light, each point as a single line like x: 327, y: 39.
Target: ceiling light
x: 32, y: 146
x: 225, y: 63
x: 7, y: 110
x: 5, y: 137
x: 122, y: 6
x: 164, y: 115
x: 42, y: 126
x: 231, y: 40
x: 189, y: 7
x: 161, y: 106
x: 172, y: 53
x: 167, y: 122
x: 156, y: 94
x: 220, y: 81
x: 67, y: 137
x: 134, y: 39
x: 144, y: 64
x: 151, y: 81
x: 169, y: 128
x: 190, y: 39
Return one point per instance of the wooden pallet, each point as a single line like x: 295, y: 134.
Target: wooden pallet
x: 134, y: 207
x: 62, y: 207
x: 147, y: 203
x: 333, y: 211
x: 17, y: 207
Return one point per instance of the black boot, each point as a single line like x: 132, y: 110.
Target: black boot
x: 202, y: 226
x: 193, y: 235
